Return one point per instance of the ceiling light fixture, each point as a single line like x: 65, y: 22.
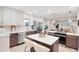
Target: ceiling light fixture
x: 53, y: 21
x: 70, y: 16
x: 53, y: 16
x: 70, y: 21
x: 49, y: 11
x: 35, y: 11
x: 72, y: 7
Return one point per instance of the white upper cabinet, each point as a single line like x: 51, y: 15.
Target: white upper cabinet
x: 0, y: 15
x: 19, y: 18
x: 78, y: 15
x: 12, y: 16
x: 6, y: 16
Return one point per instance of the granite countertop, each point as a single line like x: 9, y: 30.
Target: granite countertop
x: 18, y: 31
x: 4, y: 34
x: 47, y: 40
x: 75, y: 34
x: 7, y: 32
x: 52, y: 31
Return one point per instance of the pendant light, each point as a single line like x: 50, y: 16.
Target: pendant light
x: 70, y: 14
x: 53, y: 17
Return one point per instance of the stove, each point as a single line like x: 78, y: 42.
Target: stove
x: 62, y: 37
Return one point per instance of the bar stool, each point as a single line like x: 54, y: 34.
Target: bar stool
x: 28, y: 46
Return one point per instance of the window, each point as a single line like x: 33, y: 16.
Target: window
x: 26, y: 22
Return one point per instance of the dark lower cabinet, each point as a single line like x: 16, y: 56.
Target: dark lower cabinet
x: 72, y: 41
x: 55, y: 47
x: 50, y: 33
x: 31, y: 32
x: 78, y: 43
x: 68, y: 40
x: 13, y: 39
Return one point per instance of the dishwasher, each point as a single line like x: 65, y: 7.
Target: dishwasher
x: 21, y: 36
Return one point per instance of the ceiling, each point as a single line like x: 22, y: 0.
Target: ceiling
x: 46, y: 10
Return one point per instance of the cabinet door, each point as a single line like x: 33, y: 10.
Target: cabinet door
x: 21, y: 22
x: 31, y: 32
x: 78, y: 43
x: 50, y: 33
x: 12, y: 17
x: 6, y: 16
x: 20, y: 18
x: 13, y: 39
x: 72, y: 41
x: 9, y: 16
x: 0, y: 15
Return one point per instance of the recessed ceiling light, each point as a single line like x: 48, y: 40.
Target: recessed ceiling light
x: 70, y: 21
x: 29, y: 12
x: 49, y: 11
x: 72, y: 6
x: 35, y: 11
x: 53, y: 21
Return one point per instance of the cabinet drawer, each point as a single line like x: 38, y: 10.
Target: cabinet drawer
x: 72, y: 41
x: 49, y: 33
x: 73, y: 37
x: 13, y: 39
x: 31, y: 32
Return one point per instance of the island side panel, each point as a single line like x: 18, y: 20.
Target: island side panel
x: 78, y: 43
x: 55, y: 47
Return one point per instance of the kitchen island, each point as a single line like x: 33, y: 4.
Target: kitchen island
x: 51, y: 42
